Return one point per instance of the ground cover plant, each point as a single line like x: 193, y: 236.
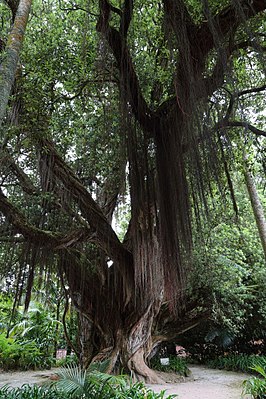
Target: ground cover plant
x: 176, y: 365
x: 238, y: 362
x: 256, y: 386
x: 135, y: 391
x: 75, y: 383
x: 94, y: 384
x: 31, y: 392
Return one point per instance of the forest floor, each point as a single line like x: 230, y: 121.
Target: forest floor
x: 203, y: 383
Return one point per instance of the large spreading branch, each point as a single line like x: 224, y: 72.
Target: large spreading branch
x: 40, y: 237
x: 217, y: 31
x: 126, y: 17
x: 245, y: 125
x: 227, y: 121
x: 181, y: 23
x: 130, y: 86
x: 7, y: 161
x: 104, y: 234
x: 56, y: 241
x: 229, y: 18
x: 98, y: 230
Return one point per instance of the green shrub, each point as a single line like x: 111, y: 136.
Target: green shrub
x: 68, y: 360
x: 176, y: 364
x: 256, y: 386
x: 23, y: 355
x: 77, y: 383
x: 106, y: 391
x: 237, y: 362
x: 30, y: 392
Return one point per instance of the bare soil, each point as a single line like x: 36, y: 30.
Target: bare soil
x: 203, y: 383
x: 17, y: 378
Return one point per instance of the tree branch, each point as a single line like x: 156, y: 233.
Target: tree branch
x: 104, y: 235
x: 253, y: 129
x: 229, y: 18
x: 179, y: 18
x: 21, y: 224
x: 128, y: 79
x: 44, y: 238
x: 226, y: 122
x: 126, y: 17
x: 250, y: 91
x: 24, y: 180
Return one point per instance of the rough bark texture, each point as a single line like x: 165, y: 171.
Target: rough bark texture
x: 257, y: 208
x: 14, y: 44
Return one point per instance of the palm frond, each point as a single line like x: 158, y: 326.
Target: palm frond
x: 71, y: 379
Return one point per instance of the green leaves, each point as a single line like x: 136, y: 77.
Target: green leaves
x: 24, y: 355
x: 239, y: 362
x: 176, y: 364
x: 29, y: 392
x: 256, y: 386
x: 77, y: 383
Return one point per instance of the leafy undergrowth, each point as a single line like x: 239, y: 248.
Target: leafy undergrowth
x: 30, y: 392
x: 176, y: 365
x: 75, y: 383
x: 238, y: 362
x: 95, y: 384
x: 256, y: 387
x: 23, y: 355
x: 103, y: 390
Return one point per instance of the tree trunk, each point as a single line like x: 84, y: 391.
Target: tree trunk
x: 256, y: 207
x: 14, y: 44
x: 85, y: 335
x: 131, y: 348
x: 137, y: 347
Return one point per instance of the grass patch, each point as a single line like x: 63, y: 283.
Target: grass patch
x: 237, y: 362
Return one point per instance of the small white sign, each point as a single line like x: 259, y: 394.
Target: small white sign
x: 165, y: 361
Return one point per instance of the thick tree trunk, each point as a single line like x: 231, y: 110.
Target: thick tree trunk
x: 131, y: 348
x: 137, y: 347
x: 85, y: 336
x: 9, y: 65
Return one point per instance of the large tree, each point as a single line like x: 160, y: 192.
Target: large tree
x: 150, y: 85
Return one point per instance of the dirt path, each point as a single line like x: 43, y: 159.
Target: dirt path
x: 18, y: 378
x: 204, y: 383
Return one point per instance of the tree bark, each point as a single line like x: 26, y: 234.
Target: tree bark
x: 256, y: 207
x: 14, y: 44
